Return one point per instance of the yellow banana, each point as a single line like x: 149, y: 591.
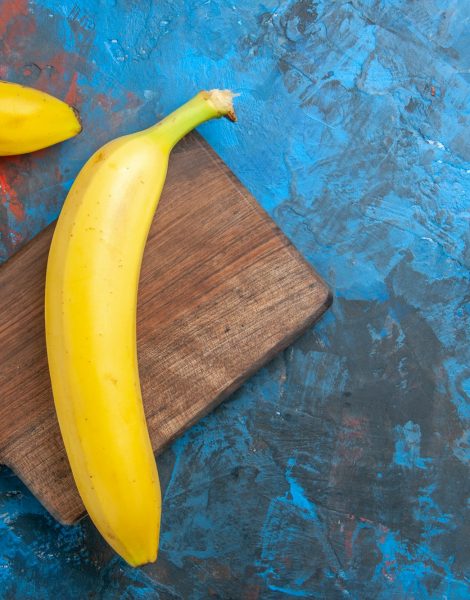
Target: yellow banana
x: 91, y: 296
x: 31, y: 119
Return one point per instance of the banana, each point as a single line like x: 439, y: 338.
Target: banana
x: 90, y: 315
x: 31, y: 119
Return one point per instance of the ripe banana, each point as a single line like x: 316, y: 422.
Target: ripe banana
x: 31, y: 119
x: 91, y: 296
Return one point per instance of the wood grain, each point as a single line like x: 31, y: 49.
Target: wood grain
x: 222, y: 290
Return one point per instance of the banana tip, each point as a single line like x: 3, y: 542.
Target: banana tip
x: 223, y: 102
x: 78, y: 117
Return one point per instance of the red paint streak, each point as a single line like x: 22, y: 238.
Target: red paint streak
x: 60, y: 82
x: 117, y: 119
x: 15, y: 32
x: 352, y: 439
x: 9, y: 11
x: 354, y: 428
x: 353, y: 422
x: 133, y: 101
x: 72, y: 97
x: 104, y: 101
x: 3, y: 71
x: 10, y: 199
x: 59, y: 62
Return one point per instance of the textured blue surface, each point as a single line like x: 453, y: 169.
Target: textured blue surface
x: 342, y: 469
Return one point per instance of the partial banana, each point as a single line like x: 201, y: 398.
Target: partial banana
x: 31, y: 119
x: 91, y: 296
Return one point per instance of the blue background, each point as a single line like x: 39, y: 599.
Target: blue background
x: 341, y: 470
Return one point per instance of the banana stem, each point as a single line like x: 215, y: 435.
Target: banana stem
x: 201, y: 108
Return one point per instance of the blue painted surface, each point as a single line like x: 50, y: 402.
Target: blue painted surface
x: 342, y: 469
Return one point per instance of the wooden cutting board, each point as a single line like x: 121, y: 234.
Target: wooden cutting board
x: 221, y: 292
